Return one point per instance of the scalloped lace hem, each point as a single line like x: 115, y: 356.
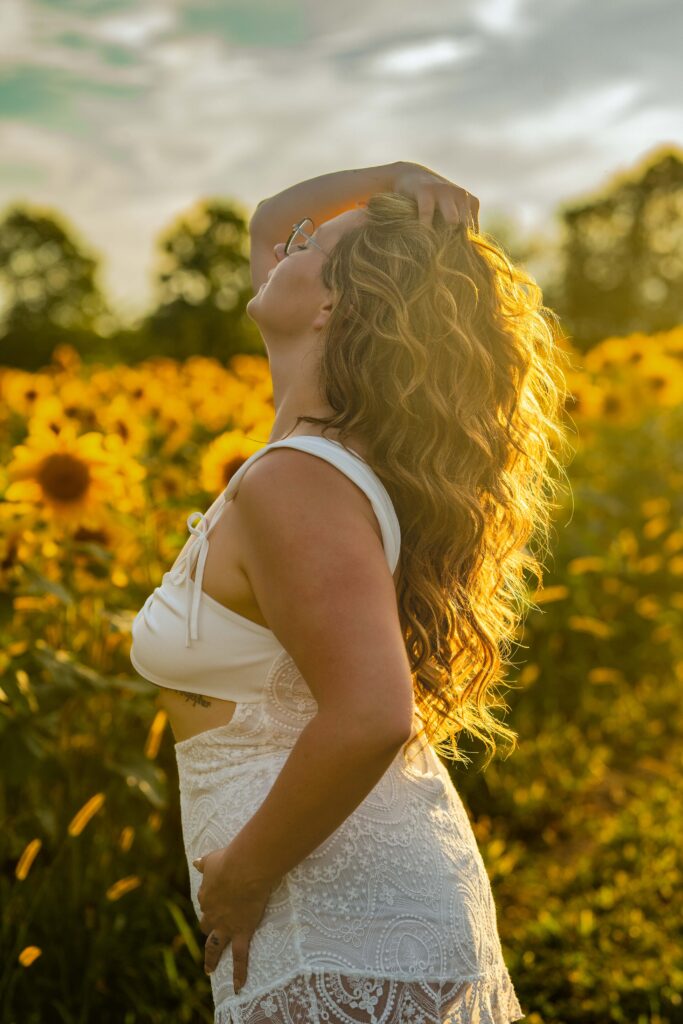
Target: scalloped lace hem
x: 333, y: 997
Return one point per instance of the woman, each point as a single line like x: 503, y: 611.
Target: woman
x: 337, y: 875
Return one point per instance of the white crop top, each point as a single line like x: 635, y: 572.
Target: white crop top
x: 184, y: 639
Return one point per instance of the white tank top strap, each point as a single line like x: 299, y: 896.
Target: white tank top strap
x: 348, y: 461
x: 353, y: 466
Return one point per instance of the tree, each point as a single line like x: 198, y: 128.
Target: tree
x: 203, y: 285
x: 539, y: 253
x: 623, y: 255
x: 50, y: 288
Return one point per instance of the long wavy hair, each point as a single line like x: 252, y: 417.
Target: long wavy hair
x: 440, y: 354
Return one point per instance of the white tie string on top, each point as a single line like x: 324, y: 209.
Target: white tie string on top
x: 182, y: 573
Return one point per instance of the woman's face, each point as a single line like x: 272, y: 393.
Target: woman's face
x: 293, y: 302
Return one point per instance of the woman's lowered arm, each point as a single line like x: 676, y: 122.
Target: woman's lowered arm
x: 320, y: 575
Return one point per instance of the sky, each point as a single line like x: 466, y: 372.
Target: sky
x: 121, y: 114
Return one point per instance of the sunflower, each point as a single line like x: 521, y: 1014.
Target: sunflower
x: 249, y: 368
x: 51, y: 416
x: 172, y: 425
x: 75, y: 481
x: 661, y: 380
x: 225, y: 454
x: 79, y: 401
x: 216, y: 398
x: 140, y: 383
x: 169, y: 483
x: 621, y: 400
x: 673, y: 342
x: 606, y: 356
x: 22, y: 392
x: 636, y: 349
x: 118, y: 416
x: 222, y: 399
x: 584, y: 398
x: 65, y: 357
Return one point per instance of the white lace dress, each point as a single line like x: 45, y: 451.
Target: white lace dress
x: 391, y: 920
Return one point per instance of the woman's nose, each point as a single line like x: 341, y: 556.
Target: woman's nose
x: 279, y: 250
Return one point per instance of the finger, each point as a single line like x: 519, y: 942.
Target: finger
x: 240, y: 960
x: 425, y: 207
x: 473, y: 210
x: 450, y: 210
x: 215, y: 944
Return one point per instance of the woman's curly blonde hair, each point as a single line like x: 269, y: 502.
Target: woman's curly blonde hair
x: 440, y: 354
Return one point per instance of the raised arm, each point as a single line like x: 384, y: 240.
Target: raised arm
x: 330, y: 194
x: 320, y: 199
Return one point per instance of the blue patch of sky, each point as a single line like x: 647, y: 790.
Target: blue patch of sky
x: 111, y: 53
x: 249, y: 22
x: 49, y: 96
x: 91, y: 8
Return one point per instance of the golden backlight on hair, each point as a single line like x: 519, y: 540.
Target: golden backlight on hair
x: 440, y: 354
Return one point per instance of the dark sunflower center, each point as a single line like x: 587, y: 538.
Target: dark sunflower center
x: 231, y: 467
x: 84, y: 534
x: 63, y: 477
x: 612, y: 404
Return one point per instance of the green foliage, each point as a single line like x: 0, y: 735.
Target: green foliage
x: 203, y: 284
x: 620, y: 270
x: 52, y: 294
x: 623, y: 255
x: 581, y: 827
x: 50, y: 289
x: 135, y: 957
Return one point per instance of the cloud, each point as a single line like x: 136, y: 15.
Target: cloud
x: 424, y: 58
x: 121, y: 114
x: 135, y: 30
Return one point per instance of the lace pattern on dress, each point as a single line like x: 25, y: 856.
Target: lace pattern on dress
x: 390, y: 920
x: 329, y: 997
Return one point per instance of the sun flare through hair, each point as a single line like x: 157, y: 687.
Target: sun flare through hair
x: 441, y: 355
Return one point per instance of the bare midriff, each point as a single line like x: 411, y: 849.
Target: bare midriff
x: 226, y: 582
x: 192, y: 713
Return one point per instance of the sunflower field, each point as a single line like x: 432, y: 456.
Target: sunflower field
x: 580, y: 829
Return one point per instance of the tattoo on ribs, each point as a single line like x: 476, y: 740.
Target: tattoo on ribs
x: 197, y: 698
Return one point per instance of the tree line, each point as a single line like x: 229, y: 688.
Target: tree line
x: 618, y: 270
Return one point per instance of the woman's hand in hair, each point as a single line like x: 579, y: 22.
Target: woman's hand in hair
x: 457, y: 205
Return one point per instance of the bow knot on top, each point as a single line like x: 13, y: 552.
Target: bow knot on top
x: 181, y: 573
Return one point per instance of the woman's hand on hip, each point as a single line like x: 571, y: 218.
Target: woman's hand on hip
x: 232, y: 908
